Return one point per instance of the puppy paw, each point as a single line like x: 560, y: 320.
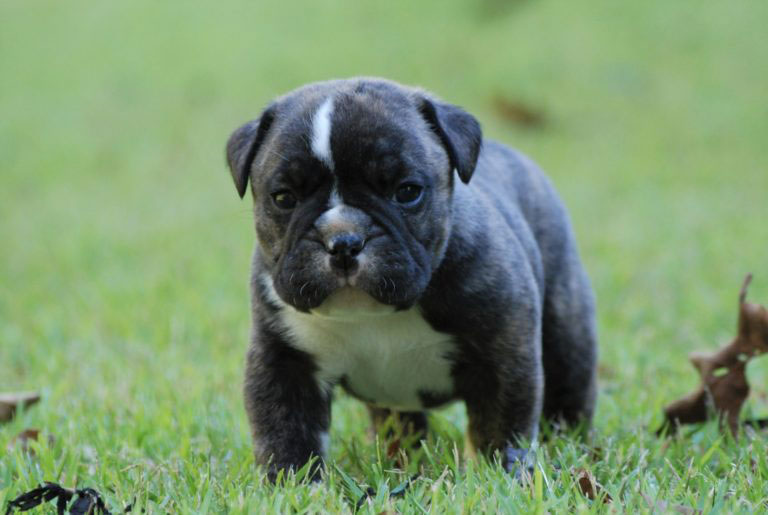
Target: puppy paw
x: 519, y: 462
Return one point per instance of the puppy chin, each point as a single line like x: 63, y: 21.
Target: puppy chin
x: 350, y: 303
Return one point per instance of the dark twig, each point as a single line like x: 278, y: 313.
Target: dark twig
x: 87, y: 501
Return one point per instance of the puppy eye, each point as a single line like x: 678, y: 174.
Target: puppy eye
x: 408, y: 193
x: 284, y: 199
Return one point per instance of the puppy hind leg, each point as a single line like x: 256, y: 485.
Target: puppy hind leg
x: 569, y: 351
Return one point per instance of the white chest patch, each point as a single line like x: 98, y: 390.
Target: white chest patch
x: 386, y: 357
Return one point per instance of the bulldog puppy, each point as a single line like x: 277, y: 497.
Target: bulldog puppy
x: 375, y: 269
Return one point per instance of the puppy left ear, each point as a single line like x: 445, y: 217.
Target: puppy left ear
x: 243, y: 145
x: 459, y: 133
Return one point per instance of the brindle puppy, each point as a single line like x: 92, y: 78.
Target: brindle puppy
x: 376, y: 270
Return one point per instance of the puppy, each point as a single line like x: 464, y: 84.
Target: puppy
x: 377, y: 270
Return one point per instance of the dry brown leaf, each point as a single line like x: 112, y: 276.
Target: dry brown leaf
x: 518, y: 113
x: 724, y: 386
x: 23, y: 439
x: 9, y: 402
x: 589, y: 487
x: 393, y: 449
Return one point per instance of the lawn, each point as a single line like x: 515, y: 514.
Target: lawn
x: 124, y: 250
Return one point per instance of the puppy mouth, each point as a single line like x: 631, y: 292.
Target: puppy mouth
x: 370, y: 280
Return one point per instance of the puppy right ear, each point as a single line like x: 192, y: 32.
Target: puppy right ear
x: 243, y: 145
x: 459, y: 133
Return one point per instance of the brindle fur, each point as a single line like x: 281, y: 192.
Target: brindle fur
x: 492, y: 263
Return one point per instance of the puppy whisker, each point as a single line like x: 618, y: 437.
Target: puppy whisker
x: 278, y: 154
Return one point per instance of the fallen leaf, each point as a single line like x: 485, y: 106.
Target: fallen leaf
x: 724, y: 386
x: 590, y: 488
x: 9, y: 403
x: 393, y: 448
x: 22, y: 440
x: 518, y: 113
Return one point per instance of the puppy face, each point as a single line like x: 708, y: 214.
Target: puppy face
x: 352, y: 184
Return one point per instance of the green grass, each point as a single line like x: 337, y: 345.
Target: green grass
x: 124, y: 250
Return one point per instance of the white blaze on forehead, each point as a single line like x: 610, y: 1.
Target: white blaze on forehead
x: 321, y: 133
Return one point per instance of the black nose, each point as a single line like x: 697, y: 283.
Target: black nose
x: 345, y: 244
x: 343, y: 248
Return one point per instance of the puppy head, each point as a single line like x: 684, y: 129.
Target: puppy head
x: 352, y: 183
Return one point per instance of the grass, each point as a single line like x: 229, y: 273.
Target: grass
x: 124, y: 250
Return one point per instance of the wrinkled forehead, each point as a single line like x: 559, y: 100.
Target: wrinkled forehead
x: 369, y: 139
x: 351, y: 136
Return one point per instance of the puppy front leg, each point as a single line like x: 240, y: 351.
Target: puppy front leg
x: 288, y: 410
x: 504, y: 405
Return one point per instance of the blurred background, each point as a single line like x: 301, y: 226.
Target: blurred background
x: 124, y: 249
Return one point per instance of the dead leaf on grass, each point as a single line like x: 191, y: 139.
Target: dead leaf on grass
x: 10, y: 402
x: 517, y: 112
x: 724, y: 386
x: 23, y: 439
x: 589, y: 487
